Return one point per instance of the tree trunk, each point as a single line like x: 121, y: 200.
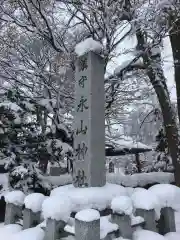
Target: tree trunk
x: 138, y: 163
x: 175, y: 45
x: 158, y: 81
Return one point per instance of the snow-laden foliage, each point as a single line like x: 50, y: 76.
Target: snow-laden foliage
x: 28, y: 141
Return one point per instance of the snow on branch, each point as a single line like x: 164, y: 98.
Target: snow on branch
x: 129, y: 65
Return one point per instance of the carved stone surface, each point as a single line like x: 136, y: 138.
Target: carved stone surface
x: 89, y: 122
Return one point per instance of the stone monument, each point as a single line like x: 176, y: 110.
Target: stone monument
x: 89, y: 122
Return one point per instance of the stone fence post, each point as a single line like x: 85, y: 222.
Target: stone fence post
x: 30, y: 219
x: 54, y: 229
x: 32, y: 212
x: 14, y: 204
x: 87, y: 225
x: 122, y: 210
x: 167, y: 221
x: 124, y: 223
x: 13, y: 213
x: 149, y: 217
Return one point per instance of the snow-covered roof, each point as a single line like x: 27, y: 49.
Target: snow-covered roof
x: 126, y: 145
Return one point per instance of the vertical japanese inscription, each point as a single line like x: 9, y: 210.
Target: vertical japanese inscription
x: 89, y: 139
x: 81, y: 149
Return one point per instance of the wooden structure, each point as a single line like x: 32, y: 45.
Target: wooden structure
x: 112, y: 151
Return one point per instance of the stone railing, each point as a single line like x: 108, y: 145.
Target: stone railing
x: 86, y: 224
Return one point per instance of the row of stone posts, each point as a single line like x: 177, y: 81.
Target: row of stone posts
x: 85, y: 229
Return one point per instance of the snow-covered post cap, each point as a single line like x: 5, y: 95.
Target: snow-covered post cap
x: 34, y: 202
x: 168, y: 195
x: 15, y: 197
x: 144, y: 199
x: 32, y: 212
x: 88, y: 45
x: 146, y: 205
x: 57, y: 208
x: 15, y: 201
x: 87, y: 215
x: 87, y: 225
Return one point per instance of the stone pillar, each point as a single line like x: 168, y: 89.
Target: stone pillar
x: 87, y: 230
x: 54, y: 229
x: 149, y: 217
x: 13, y: 213
x: 89, y: 122
x: 30, y: 219
x: 124, y: 223
x: 167, y: 221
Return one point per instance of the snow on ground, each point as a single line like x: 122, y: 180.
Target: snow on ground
x: 15, y: 232
x: 172, y: 236
x: 93, y: 197
x: 138, y: 179
x: 136, y: 220
x: 88, y: 45
x: 141, y: 234
x: 35, y: 233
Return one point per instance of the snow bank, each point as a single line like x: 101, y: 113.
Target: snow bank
x: 15, y: 197
x: 138, y: 179
x: 141, y: 234
x: 58, y: 208
x: 122, y: 205
x: 167, y: 194
x: 144, y: 199
x: 136, y: 220
x: 106, y: 226
x: 121, y: 238
x: 94, y: 197
x: 57, y: 181
x: 88, y: 45
x: 35, y: 233
x: 8, y: 231
x: 34, y: 201
x: 172, y: 236
x: 87, y: 215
